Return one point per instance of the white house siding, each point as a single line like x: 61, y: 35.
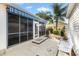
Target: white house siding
x: 74, y: 28
x: 69, y: 10
x: 3, y: 27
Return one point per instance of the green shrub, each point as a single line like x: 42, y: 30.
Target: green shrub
x: 51, y: 30
x: 56, y: 32
x: 62, y: 32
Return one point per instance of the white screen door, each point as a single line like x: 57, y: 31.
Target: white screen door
x: 36, y: 29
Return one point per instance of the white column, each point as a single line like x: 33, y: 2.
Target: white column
x: 38, y: 29
x: 3, y: 27
x: 33, y: 29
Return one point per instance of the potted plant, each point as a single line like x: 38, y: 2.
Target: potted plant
x: 65, y: 36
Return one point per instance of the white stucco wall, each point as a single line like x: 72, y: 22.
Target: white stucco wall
x: 3, y: 27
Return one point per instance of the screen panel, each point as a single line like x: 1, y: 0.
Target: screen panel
x: 30, y: 29
x: 13, y: 29
x: 23, y: 28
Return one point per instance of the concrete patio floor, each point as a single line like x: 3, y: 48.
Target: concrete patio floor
x: 47, y: 48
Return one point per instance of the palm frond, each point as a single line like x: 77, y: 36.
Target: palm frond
x: 63, y: 9
x: 59, y: 11
x: 62, y: 18
x: 56, y: 9
x: 64, y: 14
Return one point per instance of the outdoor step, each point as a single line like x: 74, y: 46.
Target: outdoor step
x: 39, y: 40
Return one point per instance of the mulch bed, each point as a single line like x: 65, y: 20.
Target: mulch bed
x: 56, y: 36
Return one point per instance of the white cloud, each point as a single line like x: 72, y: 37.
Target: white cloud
x: 43, y: 9
x: 29, y: 7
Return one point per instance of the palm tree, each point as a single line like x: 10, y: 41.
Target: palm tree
x: 44, y: 15
x: 59, y: 12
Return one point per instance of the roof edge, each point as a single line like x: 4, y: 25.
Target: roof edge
x: 21, y: 9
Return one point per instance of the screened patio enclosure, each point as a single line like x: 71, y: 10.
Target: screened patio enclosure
x: 23, y: 26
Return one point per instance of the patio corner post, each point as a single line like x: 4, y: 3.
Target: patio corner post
x: 3, y: 27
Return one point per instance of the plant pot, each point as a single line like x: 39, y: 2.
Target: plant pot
x: 65, y: 38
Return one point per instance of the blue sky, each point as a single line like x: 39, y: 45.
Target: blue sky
x: 36, y: 7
